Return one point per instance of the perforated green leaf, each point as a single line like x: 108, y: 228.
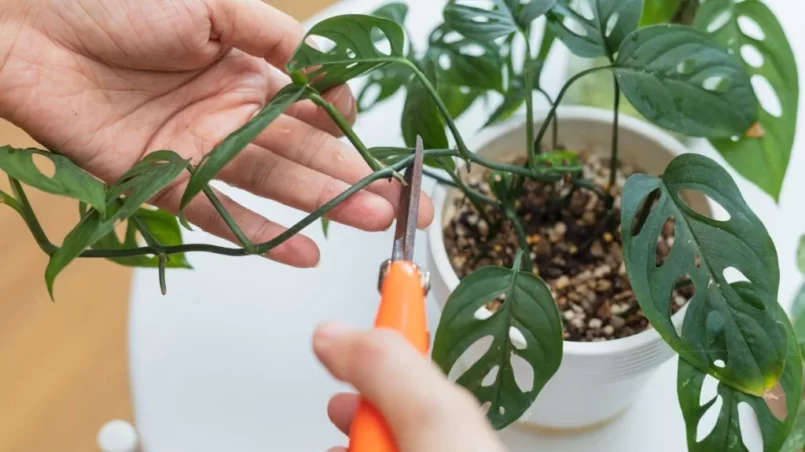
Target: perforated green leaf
x: 680, y: 79
x: 139, y: 184
x: 526, y: 325
x: 67, y: 180
x: 395, y: 11
x: 659, y: 11
x: 727, y: 434
x: 465, y: 61
x: 734, y: 337
x: 352, y: 49
x: 761, y: 159
x: 487, y: 20
x: 237, y: 141
x: 601, y: 35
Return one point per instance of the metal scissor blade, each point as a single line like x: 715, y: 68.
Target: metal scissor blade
x: 409, y: 208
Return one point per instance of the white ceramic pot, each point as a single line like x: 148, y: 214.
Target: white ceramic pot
x: 596, y: 381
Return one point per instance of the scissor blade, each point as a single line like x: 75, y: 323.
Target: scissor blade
x: 409, y: 207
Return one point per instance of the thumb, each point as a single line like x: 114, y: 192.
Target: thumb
x: 423, y: 409
x: 256, y: 28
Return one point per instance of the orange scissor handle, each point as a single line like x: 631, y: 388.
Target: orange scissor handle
x: 402, y: 308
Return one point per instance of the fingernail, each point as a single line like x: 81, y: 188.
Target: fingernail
x: 329, y: 333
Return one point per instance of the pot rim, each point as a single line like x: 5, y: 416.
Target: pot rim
x: 435, y: 236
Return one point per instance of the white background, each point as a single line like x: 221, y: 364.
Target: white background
x: 223, y: 362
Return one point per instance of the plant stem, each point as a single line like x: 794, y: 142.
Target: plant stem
x: 559, y: 97
x: 230, y: 222
x: 28, y: 215
x: 345, y: 127
x: 555, y: 128
x: 613, y: 163
x: 529, y: 107
x: 528, y: 265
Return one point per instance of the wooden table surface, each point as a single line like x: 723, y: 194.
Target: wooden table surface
x: 63, y: 365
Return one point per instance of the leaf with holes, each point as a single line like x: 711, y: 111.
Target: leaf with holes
x: 487, y: 20
x: 680, y: 79
x: 727, y: 434
x: 467, y: 62
x: 353, y: 50
x: 514, y: 97
x: 381, y: 85
x: 68, y: 178
x: 394, y: 11
x: 720, y: 324
x: 141, y: 183
x: 236, y: 142
x: 525, y: 326
x: 600, y: 35
x: 161, y: 225
x: 771, y: 64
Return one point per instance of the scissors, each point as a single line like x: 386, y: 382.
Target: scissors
x: 403, y: 287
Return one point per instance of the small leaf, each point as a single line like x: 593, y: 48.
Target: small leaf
x: 67, y: 180
x: 720, y: 323
x: 162, y: 225
x: 611, y: 22
x: 138, y: 185
x: 727, y: 434
x: 354, y: 52
x: 325, y: 226
x: 525, y: 307
x: 762, y: 161
x: 495, y: 20
x: 801, y: 255
x: 236, y: 142
x: 659, y: 11
x: 680, y: 79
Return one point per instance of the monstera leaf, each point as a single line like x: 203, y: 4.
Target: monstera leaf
x: 353, y: 51
x: 525, y: 325
x: 735, y: 337
x: 766, y: 55
x: 68, y: 178
x: 139, y: 184
x: 487, y: 20
x: 680, y: 79
x: 601, y: 35
x: 465, y: 61
x: 727, y: 434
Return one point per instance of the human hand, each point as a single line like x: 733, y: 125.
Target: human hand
x: 425, y: 412
x: 105, y: 82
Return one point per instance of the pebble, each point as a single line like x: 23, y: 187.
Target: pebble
x: 616, y: 321
x: 562, y: 283
x: 609, y: 330
x: 602, y: 271
x: 595, y: 324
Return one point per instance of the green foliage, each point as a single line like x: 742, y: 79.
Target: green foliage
x: 726, y: 333
x: 727, y: 435
x: 495, y: 19
x: 659, y: 11
x: 68, y: 179
x: 680, y: 79
x: 763, y: 156
x: 602, y: 35
x: 353, y: 50
x: 237, y: 141
x: 526, y: 325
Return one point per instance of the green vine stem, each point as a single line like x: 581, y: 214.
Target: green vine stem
x: 528, y: 265
x: 613, y: 162
x: 529, y: 107
x: 555, y: 127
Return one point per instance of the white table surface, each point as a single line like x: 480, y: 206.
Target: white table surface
x: 223, y: 362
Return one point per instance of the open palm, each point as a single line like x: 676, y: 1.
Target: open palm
x: 105, y: 82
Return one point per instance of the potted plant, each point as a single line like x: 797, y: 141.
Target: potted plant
x: 570, y: 229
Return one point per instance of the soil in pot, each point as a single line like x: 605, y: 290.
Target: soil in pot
x: 580, y: 260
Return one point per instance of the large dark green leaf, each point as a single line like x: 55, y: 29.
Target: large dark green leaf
x: 611, y: 22
x: 514, y: 97
x: 382, y: 84
x: 735, y: 338
x: 161, y: 225
x: 353, y: 51
x: 526, y: 325
x: 761, y: 159
x: 487, y: 20
x: 680, y: 79
x: 67, y: 180
x: 727, y: 435
x: 236, y: 142
x: 138, y: 185
x: 394, y: 11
